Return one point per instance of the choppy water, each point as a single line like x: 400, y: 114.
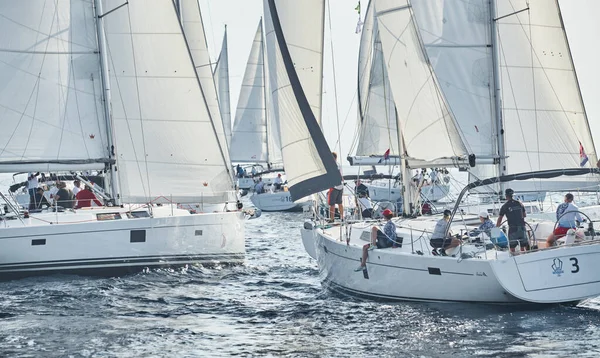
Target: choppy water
x: 273, y: 305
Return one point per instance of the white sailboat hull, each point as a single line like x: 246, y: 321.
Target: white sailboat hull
x: 485, y: 277
x: 116, y: 246
x: 277, y: 201
x: 382, y: 191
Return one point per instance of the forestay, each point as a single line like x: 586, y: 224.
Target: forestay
x: 221, y: 78
x: 166, y: 142
x: 51, y: 94
x: 193, y: 27
x: 428, y: 126
x: 294, y: 47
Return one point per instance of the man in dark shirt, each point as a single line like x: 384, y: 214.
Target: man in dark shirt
x: 64, y: 197
x: 40, y: 199
x: 515, y: 215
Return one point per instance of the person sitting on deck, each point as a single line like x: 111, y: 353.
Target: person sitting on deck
x: 567, y: 215
x: 259, y: 188
x: 486, y: 225
x: 40, y: 199
x: 64, y: 197
x: 363, y: 202
x: 277, y: 182
x: 85, y: 198
x: 439, y: 239
x: 380, y: 239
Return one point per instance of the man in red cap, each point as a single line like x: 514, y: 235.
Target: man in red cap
x: 380, y: 239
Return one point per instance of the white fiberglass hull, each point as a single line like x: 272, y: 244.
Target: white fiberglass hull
x: 382, y: 191
x: 35, y: 247
x: 277, y: 201
x: 413, y: 273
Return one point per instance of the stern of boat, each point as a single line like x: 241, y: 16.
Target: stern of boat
x: 556, y: 275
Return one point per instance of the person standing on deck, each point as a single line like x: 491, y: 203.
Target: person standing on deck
x: 335, y: 197
x: 515, y: 215
x: 32, y: 184
x: 85, y: 198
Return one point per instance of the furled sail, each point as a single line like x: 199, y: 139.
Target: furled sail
x: 221, y: 78
x: 51, y: 95
x: 427, y: 122
x: 191, y: 20
x: 251, y: 132
x: 167, y: 142
x: 294, y: 35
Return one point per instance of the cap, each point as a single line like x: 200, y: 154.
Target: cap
x: 509, y: 191
x: 279, y: 174
x: 484, y: 214
x: 447, y: 212
x: 387, y: 212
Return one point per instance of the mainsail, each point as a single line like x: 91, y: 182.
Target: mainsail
x: 167, y: 142
x: 295, y: 56
x: 51, y: 94
x: 221, y: 78
x: 253, y: 139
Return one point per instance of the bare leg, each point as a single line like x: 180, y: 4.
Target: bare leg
x: 550, y: 240
x: 331, y: 212
x: 374, y: 230
x: 363, y: 262
x: 341, y: 207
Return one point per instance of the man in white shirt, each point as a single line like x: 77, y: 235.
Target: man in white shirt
x: 335, y: 197
x: 567, y: 215
x: 32, y: 184
x: 277, y: 182
x: 76, y: 187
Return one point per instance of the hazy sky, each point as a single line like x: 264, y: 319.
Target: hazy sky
x: 242, y: 16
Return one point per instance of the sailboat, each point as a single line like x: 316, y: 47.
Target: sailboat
x: 87, y: 86
x: 474, y: 78
x: 256, y: 135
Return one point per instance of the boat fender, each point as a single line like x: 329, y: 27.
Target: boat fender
x: 239, y: 205
x: 308, y: 225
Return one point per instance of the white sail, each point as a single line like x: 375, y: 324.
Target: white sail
x: 543, y: 114
x: 427, y: 122
x: 191, y: 20
x: 250, y: 131
x: 295, y: 59
x: 166, y: 142
x: 221, y: 78
x: 378, y: 129
x: 365, y: 58
x: 51, y: 94
x: 456, y: 35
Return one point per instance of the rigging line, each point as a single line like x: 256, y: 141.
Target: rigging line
x: 139, y: 103
x: 337, y: 116
x: 536, y: 119
x: 117, y: 82
x: 83, y: 135
x: 98, y: 115
x: 37, y: 85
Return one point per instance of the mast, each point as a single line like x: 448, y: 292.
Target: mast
x: 262, y: 51
x: 405, y: 170
x: 497, y: 98
x: 114, y: 178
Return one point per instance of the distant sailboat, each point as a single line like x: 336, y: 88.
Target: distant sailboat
x: 91, y: 89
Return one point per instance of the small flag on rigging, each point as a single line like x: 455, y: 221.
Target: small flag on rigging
x: 386, y: 156
x: 582, y: 156
x: 359, y: 24
x: 357, y: 8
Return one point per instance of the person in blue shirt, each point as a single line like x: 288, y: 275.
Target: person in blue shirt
x: 380, y: 239
x: 486, y: 225
x: 568, y: 217
x: 259, y: 188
